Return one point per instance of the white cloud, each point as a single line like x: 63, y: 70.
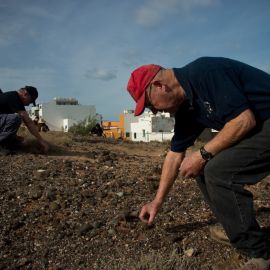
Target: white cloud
x: 154, y: 11
x: 100, y: 74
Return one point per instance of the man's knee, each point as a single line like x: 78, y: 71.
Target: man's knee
x: 15, y: 120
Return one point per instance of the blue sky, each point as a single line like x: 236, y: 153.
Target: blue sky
x: 87, y: 48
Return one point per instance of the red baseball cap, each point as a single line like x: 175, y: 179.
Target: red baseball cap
x: 138, y: 82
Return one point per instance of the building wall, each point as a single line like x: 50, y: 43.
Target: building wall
x: 162, y: 124
x: 126, y: 118
x: 55, y: 114
x: 152, y: 128
x: 67, y: 123
x: 120, y: 129
x: 112, y: 129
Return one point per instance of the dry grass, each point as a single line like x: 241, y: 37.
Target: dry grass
x: 155, y: 261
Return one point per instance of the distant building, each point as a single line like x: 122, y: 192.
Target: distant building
x: 150, y: 127
x: 113, y: 129
x: 61, y: 113
x: 120, y: 129
x: 145, y: 128
x: 126, y: 118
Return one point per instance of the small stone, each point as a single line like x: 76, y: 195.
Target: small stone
x: 85, y: 228
x: 120, y: 194
x: 111, y: 232
x: 189, y: 252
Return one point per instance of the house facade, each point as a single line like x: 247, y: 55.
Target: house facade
x: 150, y: 127
x: 61, y: 113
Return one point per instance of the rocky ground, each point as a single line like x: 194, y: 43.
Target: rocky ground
x: 77, y: 208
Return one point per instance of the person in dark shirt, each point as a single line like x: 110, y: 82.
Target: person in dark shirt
x: 12, y: 112
x: 97, y: 130
x: 233, y: 98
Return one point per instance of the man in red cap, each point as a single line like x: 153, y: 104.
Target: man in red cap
x: 229, y: 96
x: 12, y: 112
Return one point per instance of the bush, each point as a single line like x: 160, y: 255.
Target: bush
x: 84, y: 127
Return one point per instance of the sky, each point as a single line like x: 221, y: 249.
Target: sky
x: 86, y: 49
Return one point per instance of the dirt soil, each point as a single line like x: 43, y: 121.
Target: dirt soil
x: 77, y: 208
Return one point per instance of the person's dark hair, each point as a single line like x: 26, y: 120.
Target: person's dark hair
x: 32, y: 91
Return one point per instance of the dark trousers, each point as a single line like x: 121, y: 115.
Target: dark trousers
x: 223, y: 186
x: 9, y: 125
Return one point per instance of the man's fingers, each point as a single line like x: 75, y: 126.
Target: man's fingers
x: 144, y: 216
x: 151, y: 219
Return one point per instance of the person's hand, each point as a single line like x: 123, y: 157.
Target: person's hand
x: 192, y: 165
x: 149, y: 212
x: 44, y: 146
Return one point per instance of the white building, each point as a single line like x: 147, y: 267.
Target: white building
x: 128, y: 118
x: 150, y: 127
x: 61, y: 113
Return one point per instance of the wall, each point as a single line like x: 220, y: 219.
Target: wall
x: 148, y: 126
x: 112, y: 129
x: 67, y: 123
x: 55, y: 114
x: 126, y: 118
x: 165, y: 124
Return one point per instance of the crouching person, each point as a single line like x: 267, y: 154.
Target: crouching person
x: 13, y: 113
x: 228, y: 96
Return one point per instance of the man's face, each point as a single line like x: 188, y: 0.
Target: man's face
x: 26, y: 98
x: 161, y: 98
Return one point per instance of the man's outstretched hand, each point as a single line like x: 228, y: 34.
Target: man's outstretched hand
x: 44, y: 146
x: 149, y: 212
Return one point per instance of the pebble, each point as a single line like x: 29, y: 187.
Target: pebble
x: 189, y: 252
x: 85, y: 228
x: 120, y: 194
x: 111, y: 232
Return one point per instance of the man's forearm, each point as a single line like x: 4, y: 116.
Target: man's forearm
x: 30, y: 125
x: 169, y: 173
x: 232, y: 132
x: 33, y: 130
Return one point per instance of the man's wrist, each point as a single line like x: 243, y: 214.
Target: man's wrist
x: 158, y: 201
x: 207, y: 156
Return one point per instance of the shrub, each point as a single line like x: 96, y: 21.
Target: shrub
x: 84, y: 127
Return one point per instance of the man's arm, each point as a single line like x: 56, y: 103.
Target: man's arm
x: 232, y: 132
x: 33, y: 130
x: 169, y: 173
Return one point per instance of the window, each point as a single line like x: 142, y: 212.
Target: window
x: 135, y: 136
x: 127, y: 134
x: 143, y: 132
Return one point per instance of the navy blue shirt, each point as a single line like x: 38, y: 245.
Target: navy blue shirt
x: 217, y: 89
